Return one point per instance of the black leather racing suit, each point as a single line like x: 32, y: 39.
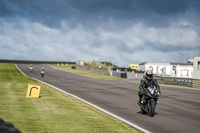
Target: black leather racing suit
x: 144, y: 83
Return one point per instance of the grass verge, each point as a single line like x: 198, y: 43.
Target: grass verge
x: 53, y: 112
x: 86, y: 73
x: 170, y: 85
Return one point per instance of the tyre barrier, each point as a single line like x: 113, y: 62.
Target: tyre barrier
x: 73, y: 67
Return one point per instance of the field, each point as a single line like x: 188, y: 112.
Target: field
x: 53, y: 112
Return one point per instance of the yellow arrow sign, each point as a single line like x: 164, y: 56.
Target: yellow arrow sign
x: 33, y: 91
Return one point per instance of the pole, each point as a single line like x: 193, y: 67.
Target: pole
x: 191, y: 52
x: 184, y: 55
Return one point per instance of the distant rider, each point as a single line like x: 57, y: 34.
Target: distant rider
x: 145, y: 82
x: 42, y: 69
x: 31, y: 67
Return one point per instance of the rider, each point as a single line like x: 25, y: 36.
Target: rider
x: 146, y: 81
x: 42, y: 69
x: 30, y: 67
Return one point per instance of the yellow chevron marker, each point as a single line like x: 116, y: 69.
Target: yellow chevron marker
x: 33, y: 91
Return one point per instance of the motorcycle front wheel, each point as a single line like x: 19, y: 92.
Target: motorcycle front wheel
x: 152, y: 108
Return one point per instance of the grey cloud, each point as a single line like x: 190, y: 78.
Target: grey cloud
x: 87, y: 12
x: 8, y: 8
x: 121, y: 31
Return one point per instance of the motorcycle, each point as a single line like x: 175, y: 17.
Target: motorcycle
x: 42, y: 73
x: 30, y: 69
x: 149, y: 100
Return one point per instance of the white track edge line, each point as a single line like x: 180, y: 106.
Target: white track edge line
x: 101, y: 109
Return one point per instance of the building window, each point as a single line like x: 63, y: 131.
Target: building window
x: 198, y: 65
x: 174, y: 67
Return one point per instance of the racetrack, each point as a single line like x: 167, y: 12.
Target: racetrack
x: 178, y: 110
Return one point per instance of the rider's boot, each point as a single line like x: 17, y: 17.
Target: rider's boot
x: 139, y: 102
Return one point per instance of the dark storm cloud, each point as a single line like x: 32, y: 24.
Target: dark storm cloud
x: 87, y: 11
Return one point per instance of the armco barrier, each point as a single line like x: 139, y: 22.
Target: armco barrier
x: 196, y: 83
x: 119, y: 74
x: 179, y: 81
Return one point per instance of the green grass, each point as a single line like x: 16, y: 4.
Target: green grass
x: 53, y: 112
x: 102, y: 64
x: 86, y: 73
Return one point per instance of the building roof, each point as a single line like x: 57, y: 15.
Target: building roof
x: 155, y: 63
x: 142, y: 63
x: 178, y: 63
x: 171, y: 63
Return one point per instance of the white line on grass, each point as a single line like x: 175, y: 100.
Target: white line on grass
x: 101, y: 109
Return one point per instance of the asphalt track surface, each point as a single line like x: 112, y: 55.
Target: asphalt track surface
x: 177, y: 112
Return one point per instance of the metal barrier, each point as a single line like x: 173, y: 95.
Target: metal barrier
x: 119, y: 74
x: 179, y: 81
x: 196, y: 83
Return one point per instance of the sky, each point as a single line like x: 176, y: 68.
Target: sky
x: 119, y: 31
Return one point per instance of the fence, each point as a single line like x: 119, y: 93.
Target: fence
x: 196, y: 83
x: 179, y: 81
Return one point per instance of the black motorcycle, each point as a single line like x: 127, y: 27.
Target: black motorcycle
x: 149, y: 100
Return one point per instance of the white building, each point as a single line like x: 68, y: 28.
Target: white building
x: 196, y: 68
x: 156, y: 67
x: 168, y: 69
x: 184, y: 70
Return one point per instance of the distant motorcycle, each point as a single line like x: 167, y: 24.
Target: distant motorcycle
x: 149, y: 100
x: 30, y: 69
x: 42, y: 73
